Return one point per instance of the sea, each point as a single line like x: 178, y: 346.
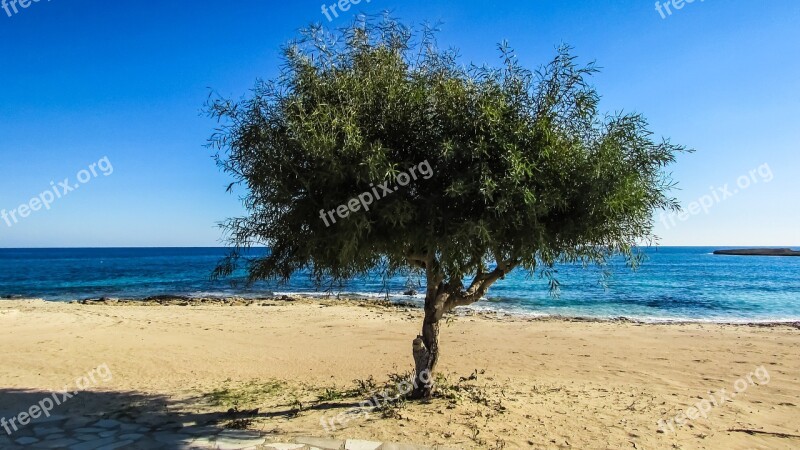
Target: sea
x: 673, y: 284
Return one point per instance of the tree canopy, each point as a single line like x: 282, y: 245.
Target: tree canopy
x: 527, y: 171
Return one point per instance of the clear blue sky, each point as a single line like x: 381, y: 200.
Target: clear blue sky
x: 123, y: 79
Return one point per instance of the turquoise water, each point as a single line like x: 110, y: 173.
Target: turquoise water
x: 675, y: 283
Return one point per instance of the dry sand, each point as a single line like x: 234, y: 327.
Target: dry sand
x: 540, y: 383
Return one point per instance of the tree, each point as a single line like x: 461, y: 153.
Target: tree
x: 526, y: 172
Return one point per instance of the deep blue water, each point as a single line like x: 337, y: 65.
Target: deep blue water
x: 675, y: 283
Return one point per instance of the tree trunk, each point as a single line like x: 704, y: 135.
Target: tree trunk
x: 426, y: 349
x: 439, y: 298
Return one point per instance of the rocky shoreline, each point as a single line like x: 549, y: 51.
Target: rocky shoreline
x: 401, y: 306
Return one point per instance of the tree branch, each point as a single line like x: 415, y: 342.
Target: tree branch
x: 480, y: 284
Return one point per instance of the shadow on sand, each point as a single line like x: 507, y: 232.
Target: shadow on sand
x: 108, y: 417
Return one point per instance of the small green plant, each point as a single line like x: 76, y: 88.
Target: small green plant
x: 331, y: 394
x: 247, y: 394
x: 392, y: 409
x: 475, y: 431
x: 366, y: 386
x: 297, y: 406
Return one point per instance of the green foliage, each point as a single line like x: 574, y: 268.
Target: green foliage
x: 244, y: 395
x: 526, y: 169
x: 332, y: 394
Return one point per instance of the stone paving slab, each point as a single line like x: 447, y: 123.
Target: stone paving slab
x: 58, y: 443
x: 236, y: 440
x: 321, y: 443
x: 45, y: 430
x: 394, y: 446
x: 108, y: 423
x: 86, y: 433
x: 356, y: 444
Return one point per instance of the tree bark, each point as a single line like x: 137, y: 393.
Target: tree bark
x: 426, y: 355
x: 426, y: 345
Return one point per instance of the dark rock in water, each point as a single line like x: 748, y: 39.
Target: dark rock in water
x: 410, y: 292
x: 759, y: 252
x: 90, y: 300
x: 167, y: 298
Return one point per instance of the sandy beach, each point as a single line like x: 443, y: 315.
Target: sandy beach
x: 509, y: 382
